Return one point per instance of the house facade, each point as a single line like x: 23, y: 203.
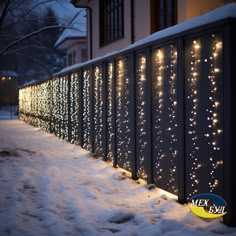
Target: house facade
x: 74, y: 39
x: 115, y: 24
x: 8, y: 88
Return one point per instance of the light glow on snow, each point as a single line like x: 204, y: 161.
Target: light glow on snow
x: 51, y: 187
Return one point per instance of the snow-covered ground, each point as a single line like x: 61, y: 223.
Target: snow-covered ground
x: 50, y: 187
x: 8, y: 112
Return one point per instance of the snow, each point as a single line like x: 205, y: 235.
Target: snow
x: 79, y: 23
x: 51, y: 187
x: 224, y: 12
x: 8, y: 112
x: 8, y: 73
x: 63, y: 8
x: 31, y: 82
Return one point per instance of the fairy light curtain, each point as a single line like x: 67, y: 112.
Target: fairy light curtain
x: 103, y: 107
x: 123, y: 115
x: 110, y: 112
x: 87, y: 96
x: 204, y: 115
x: 165, y: 118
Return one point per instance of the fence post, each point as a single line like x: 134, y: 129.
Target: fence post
x: 181, y: 120
x: 229, y: 70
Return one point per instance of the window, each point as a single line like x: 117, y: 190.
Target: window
x: 163, y: 14
x: 111, y: 21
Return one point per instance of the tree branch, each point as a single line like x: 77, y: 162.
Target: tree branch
x: 35, y: 6
x: 20, y: 39
x: 4, y: 12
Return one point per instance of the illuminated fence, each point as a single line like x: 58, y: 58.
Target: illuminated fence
x: 161, y: 110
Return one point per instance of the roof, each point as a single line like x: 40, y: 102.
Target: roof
x: 80, y: 31
x: 8, y: 73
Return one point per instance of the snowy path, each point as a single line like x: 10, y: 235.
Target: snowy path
x: 50, y: 187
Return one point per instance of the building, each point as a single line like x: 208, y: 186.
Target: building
x: 8, y: 88
x: 74, y: 39
x: 115, y: 24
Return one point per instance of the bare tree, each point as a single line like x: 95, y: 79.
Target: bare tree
x: 27, y: 37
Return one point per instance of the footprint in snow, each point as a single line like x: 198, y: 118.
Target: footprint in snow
x: 121, y: 217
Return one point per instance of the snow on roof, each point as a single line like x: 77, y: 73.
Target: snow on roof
x: 226, y: 11
x: 28, y: 83
x: 79, y: 23
x: 8, y: 73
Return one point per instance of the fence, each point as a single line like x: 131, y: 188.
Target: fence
x: 161, y: 110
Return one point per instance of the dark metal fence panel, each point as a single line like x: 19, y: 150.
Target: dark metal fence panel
x: 75, y: 108
x: 165, y: 123
x: 123, y: 121
x: 87, y: 96
x: 141, y: 116
x: 55, y: 106
x: 65, y: 113
x: 203, y: 117
x: 99, y: 113
x: 44, y: 114
x: 111, y: 124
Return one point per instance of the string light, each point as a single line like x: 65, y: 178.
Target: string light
x: 87, y: 96
x: 46, y: 105
x: 98, y: 110
x: 75, y: 108
x: 123, y: 116
x: 165, y: 117
x: 193, y: 100
x: 141, y: 116
x: 110, y: 111
x: 215, y: 129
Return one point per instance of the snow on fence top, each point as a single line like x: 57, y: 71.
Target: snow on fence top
x: 227, y: 11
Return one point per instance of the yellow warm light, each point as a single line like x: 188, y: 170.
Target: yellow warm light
x: 219, y: 45
x: 216, y: 104
x: 160, y: 55
x: 121, y: 64
x: 196, y: 45
x: 159, y: 79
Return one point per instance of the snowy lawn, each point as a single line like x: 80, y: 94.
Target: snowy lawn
x: 50, y: 187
